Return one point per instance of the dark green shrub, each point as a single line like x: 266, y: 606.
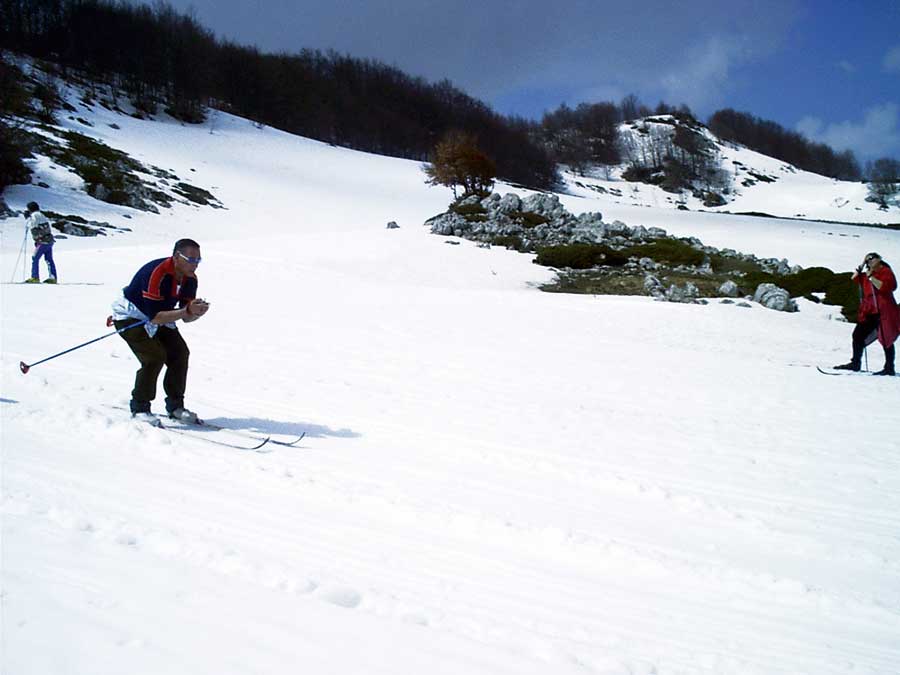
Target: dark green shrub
x: 844, y: 292
x: 614, y: 258
x: 808, y: 281
x: 92, y: 174
x: 576, y: 256
x: 669, y: 251
x: 90, y: 150
x: 510, y: 241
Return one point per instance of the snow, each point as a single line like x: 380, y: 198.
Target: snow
x: 494, y: 479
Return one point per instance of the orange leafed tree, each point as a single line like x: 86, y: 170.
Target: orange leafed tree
x: 456, y: 162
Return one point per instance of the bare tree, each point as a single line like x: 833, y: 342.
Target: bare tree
x: 884, y: 181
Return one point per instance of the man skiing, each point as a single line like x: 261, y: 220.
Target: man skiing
x: 162, y: 292
x: 879, y: 316
x: 43, y: 244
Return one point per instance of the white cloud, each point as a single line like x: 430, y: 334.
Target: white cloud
x: 846, y: 66
x: 811, y: 127
x: 876, y: 135
x: 892, y: 60
x: 701, y: 80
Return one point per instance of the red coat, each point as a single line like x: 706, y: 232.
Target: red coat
x: 881, y: 302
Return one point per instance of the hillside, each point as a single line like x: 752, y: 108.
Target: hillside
x: 750, y: 182
x: 493, y: 479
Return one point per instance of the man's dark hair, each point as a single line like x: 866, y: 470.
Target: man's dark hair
x: 33, y: 206
x: 183, y: 244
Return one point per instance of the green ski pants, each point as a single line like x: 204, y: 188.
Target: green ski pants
x: 166, y: 348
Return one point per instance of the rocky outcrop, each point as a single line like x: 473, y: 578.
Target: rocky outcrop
x: 654, y: 287
x: 773, y: 297
x: 5, y: 211
x: 687, y: 293
x: 729, y: 289
x: 540, y: 221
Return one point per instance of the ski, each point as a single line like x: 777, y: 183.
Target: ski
x: 841, y: 372
x: 238, y: 432
x: 246, y: 434
x: 203, y: 424
x: 187, y: 431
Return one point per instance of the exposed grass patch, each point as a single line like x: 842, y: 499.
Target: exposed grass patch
x: 668, y: 251
x: 574, y: 256
x: 722, y: 264
x: 839, y: 290
x: 597, y: 284
x: 671, y: 252
x: 610, y: 282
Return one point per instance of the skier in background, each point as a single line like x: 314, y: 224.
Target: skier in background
x: 43, y: 244
x: 879, y: 316
x: 152, y: 296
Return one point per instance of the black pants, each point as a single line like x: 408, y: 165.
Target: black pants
x: 166, y: 348
x: 865, y: 333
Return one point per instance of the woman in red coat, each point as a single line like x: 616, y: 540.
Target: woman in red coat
x: 879, y: 317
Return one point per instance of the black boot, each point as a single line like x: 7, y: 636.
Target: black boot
x: 848, y: 366
x: 887, y: 370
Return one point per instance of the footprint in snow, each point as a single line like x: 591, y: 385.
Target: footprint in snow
x: 342, y: 597
x: 126, y: 539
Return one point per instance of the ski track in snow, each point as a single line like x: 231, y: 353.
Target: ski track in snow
x: 494, y: 480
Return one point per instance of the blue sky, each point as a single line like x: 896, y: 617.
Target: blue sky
x: 828, y: 69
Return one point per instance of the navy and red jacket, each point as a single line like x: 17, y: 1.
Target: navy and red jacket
x: 154, y: 289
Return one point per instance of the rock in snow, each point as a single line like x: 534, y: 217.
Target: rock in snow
x: 774, y: 297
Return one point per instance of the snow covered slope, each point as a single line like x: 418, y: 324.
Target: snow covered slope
x: 756, y: 183
x: 494, y: 479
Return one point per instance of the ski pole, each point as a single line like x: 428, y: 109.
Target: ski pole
x: 21, y: 251
x: 25, y: 367
x: 865, y: 345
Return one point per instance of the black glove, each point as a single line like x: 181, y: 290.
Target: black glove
x: 859, y: 269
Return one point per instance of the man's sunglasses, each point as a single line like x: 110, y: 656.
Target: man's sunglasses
x: 192, y: 261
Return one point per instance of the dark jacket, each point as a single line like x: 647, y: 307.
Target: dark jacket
x: 153, y: 289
